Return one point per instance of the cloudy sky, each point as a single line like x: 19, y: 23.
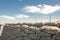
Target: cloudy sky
x: 21, y: 10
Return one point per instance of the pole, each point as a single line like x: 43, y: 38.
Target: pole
x: 50, y: 18
x: 35, y: 19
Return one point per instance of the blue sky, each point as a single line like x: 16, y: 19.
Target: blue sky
x: 29, y: 9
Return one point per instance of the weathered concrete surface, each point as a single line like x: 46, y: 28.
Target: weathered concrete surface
x: 25, y: 32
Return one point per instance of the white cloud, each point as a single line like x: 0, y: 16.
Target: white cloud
x: 13, y: 19
x: 21, y: 16
x: 44, y: 9
x: 31, y: 9
x: 17, y: 16
x: 7, y: 17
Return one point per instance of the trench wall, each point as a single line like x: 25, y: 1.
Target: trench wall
x: 28, y: 33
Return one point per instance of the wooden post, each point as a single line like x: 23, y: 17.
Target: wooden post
x: 50, y: 18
